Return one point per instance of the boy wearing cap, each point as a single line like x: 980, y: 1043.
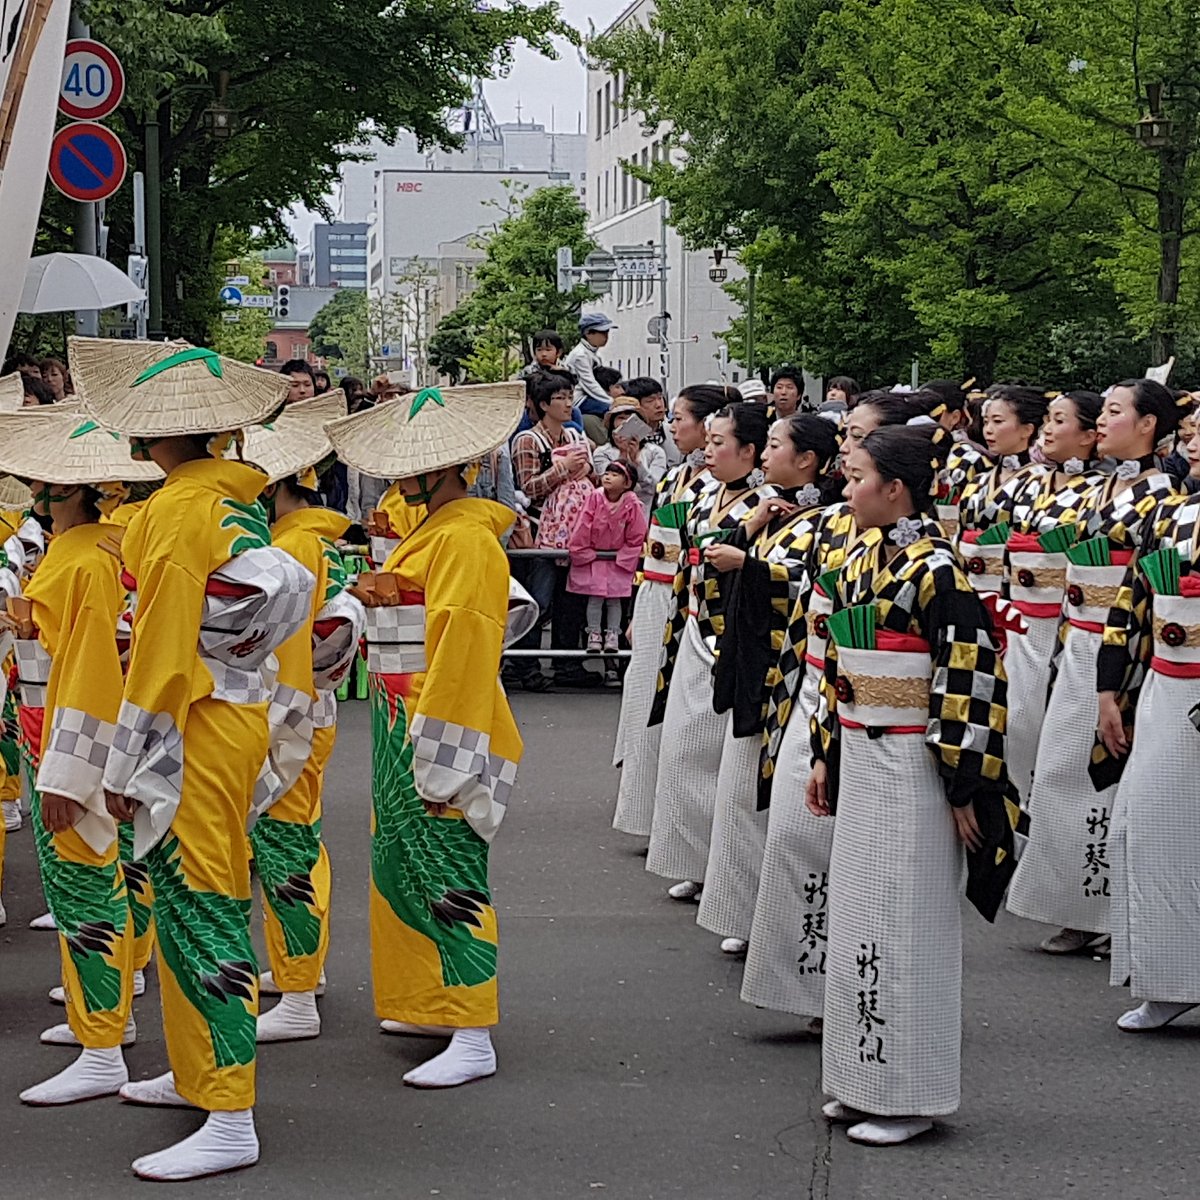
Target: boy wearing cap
x: 590, y: 398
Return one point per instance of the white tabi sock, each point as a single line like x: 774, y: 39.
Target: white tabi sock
x: 94, y: 1073
x: 469, y: 1056
x: 835, y: 1110
x: 158, y: 1092
x: 888, y: 1131
x: 293, y: 1019
x: 404, y: 1029
x: 268, y: 987
x: 225, y: 1142
x: 1151, y: 1014
x: 45, y: 923
x: 687, y: 889
x: 61, y: 1035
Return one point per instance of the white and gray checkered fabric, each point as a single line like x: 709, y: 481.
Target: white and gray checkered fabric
x: 1063, y: 876
x: 381, y: 550
x: 893, y: 987
x: 396, y: 639
x: 1027, y: 664
x: 289, y: 719
x: 789, y: 939
x: 1154, y: 846
x: 636, y: 749
x: 243, y: 632
x: 33, y: 663
x: 325, y: 710
x: 146, y: 763
x: 523, y: 613
x: 689, y: 758
x: 334, y: 652
x: 739, y: 836
x: 75, y: 756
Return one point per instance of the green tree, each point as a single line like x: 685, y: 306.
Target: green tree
x: 295, y: 114
x: 340, y: 331
x: 453, y: 343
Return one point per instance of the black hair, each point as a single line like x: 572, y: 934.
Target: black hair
x: 296, y: 366
x: 631, y: 473
x: 606, y: 377
x: 547, y: 337
x: 321, y: 373
x: 543, y: 387
x: 1029, y: 403
x: 91, y: 502
x: 703, y: 400
x: 893, y: 407
x: 1088, y: 406
x: 750, y: 425
x: 934, y: 398
x: 641, y: 387
x: 843, y: 383
x: 913, y: 454
x: 14, y: 362
x: 811, y: 432
x: 1152, y: 399
x: 36, y: 388
x: 308, y: 495
x: 792, y: 373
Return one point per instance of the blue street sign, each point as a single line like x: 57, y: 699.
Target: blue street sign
x: 231, y: 296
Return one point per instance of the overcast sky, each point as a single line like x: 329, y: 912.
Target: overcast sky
x: 542, y: 87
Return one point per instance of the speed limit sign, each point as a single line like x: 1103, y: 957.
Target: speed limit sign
x: 93, y: 81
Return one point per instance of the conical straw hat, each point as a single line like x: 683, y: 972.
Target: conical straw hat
x: 13, y: 494
x: 296, y: 438
x: 163, y: 389
x: 62, y: 444
x: 427, y: 430
x: 12, y: 392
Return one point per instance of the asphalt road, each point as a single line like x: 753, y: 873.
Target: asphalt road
x: 629, y: 1068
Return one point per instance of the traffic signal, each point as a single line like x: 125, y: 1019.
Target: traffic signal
x: 283, y: 297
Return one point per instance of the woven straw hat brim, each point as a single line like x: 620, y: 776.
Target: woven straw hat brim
x: 12, y: 392
x: 187, y: 398
x: 296, y: 439
x: 404, y: 437
x: 62, y: 444
x: 14, y: 494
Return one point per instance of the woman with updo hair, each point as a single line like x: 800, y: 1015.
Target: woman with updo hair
x: 692, y: 733
x: 764, y: 584
x: 912, y: 667
x: 636, y: 751
x: 1063, y: 877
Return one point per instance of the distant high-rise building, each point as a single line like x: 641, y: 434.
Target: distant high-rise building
x: 339, y: 255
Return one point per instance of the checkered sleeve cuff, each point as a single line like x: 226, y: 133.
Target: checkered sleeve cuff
x: 76, y: 752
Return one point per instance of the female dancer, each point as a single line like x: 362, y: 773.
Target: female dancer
x: 74, y: 600
x: 785, y: 961
x: 1063, y: 877
x: 445, y: 745
x: 764, y: 577
x: 213, y: 600
x: 1048, y: 498
x: 924, y: 673
x: 692, y: 732
x: 636, y: 751
x: 1150, y: 668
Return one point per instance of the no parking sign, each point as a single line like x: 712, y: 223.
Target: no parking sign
x: 87, y: 161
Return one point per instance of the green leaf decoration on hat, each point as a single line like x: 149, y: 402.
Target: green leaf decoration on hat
x: 210, y: 358
x: 90, y: 427
x: 423, y: 397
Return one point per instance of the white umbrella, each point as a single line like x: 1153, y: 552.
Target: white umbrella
x: 66, y: 282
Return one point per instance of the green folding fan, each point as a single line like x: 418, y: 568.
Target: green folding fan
x: 996, y: 535
x: 1095, y: 552
x: 1060, y: 539
x: 854, y: 628
x: 712, y: 536
x: 1162, y: 568
x: 828, y: 583
x: 673, y: 516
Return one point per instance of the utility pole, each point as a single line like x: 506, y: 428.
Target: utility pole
x: 87, y: 322
x: 154, y: 225
x: 750, y: 322
x: 664, y: 336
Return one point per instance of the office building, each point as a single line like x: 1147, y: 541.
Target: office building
x: 339, y: 255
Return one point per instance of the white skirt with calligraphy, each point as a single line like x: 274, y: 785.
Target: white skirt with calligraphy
x: 689, y: 758
x: 785, y: 964
x: 1154, y: 846
x: 739, y: 837
x: 1063, y: 876
x: 636, y: 750
x: 893, y: 985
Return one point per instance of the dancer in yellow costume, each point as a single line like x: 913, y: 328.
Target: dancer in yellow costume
x: 289, y: 854
x: 446, y: 747
x: 73, y: 601
x: 213, y: 599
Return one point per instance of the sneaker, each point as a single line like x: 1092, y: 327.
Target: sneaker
x: 612, y: 677
x: 689, y: 889
x: 734, y: 946
x: 595, y: 642
x: 12, y: 815
x: 1072, y: 941
x: 611, y: 644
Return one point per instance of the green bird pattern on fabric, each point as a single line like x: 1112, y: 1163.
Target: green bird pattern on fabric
x: 285, y: 853
x: 205, y: 940
x: 137, y: 881
x: 9, y: 752
x: 90, y: 906
x: 251, y: 521
x: 432, y: 871
x: 336, y: 568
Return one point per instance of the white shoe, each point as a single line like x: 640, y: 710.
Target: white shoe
x: 734, y: 945
x: 158, y: 1092
x: 93, y: 1074
x: 225, y: 1142
x: 835, y: 1110
x: 268, y: 987
x: 888, y: 1131
x: 45, y: 922
x: 61, y: 1035
x: 293, y: 1019
x: 1151, y: 1014
x: 469, y: 1056
x: 58, y: 995
x: 1072, y: 941
x: 12, y: 815
x: 689, y: 889
x: 404, y: 1029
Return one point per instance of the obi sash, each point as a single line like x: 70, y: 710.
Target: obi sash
x: 1092, y: 591
x: 396, y: 636
x: 1176, y: 627
x: 947, y: 515
x: 984, y: 564
x: 817, y: 618
x: 1036, y: 580
x: 33, y: 672
x: 663, y: 555
x: 887, y: 687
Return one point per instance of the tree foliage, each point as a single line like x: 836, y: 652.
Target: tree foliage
x: 453, y: 343
x: 340, y: 331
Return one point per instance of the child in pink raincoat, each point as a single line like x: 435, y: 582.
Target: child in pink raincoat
x: 613, y: 518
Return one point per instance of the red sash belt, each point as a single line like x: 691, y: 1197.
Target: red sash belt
x: 1087, y: 626
x: 1040, y: 612
x: 1175, y: 670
